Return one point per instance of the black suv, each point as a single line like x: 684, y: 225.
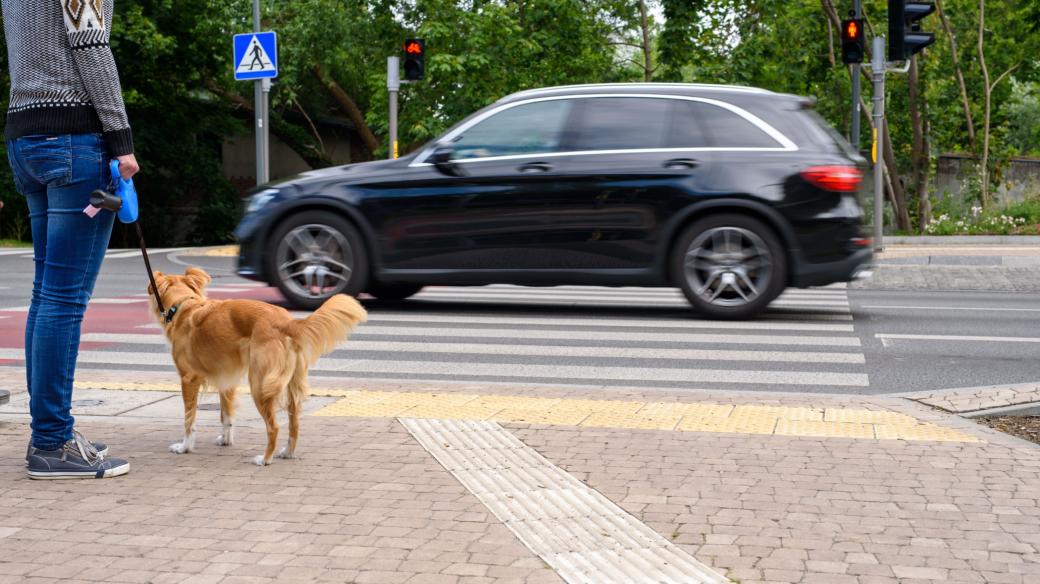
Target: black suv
x: 730, y: 193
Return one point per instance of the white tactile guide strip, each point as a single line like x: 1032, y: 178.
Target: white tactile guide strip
x: 583, y: 535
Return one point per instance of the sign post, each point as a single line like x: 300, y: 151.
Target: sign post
x: 256, y: 59
x: 879, y: 65
x: 393, y: 85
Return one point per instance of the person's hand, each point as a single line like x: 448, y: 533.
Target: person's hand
x: 127, y: 166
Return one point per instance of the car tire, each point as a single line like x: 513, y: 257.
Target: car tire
x: 314, y: 255
x: 393, y: 290
x: 729, y: 266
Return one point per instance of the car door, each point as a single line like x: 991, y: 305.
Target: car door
x: 639, y: 159
x: 511, y: 208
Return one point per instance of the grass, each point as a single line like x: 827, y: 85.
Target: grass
x: 14, y: 243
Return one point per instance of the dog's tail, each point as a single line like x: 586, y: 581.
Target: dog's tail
x: 318, y: 333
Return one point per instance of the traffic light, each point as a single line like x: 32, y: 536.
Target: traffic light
x: 852, y: 48
x: 414, y: 59
x: 904, y: 31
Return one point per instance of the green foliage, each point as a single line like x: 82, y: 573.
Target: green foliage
x: 176, y: 69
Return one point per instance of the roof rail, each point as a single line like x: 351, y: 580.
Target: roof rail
x: 702, y: 86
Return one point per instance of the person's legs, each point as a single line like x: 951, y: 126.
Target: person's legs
x: 71, y: 167
x: 35, y: 194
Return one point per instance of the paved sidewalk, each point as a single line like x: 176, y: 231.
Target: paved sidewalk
x: 929, y: 264
x: 469, y: 493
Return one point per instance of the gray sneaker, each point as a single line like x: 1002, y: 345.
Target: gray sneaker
x: 77, y: 459
x: 101, y: 447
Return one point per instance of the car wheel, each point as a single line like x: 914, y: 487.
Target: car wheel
x: 315, y: 255
x: 394, y: 291
x: 729, y: 266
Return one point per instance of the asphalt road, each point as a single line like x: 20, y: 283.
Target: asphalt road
x: 829, y: 340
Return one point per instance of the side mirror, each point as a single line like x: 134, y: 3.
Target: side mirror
x: 442, y: 158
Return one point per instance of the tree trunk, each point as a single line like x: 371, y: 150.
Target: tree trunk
x: 349, y: 107
x: 898, y: 196
x: 289, y: 134
x: 988, y: 89
x: 648, y: 54
x: 919, y: 156
x: 960, y: 75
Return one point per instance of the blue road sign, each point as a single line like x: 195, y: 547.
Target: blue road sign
x: 256, y: 55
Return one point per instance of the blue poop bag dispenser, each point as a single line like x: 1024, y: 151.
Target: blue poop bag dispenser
x: 123, y: 201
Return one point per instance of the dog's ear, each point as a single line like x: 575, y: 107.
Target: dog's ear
x: 196, y: 279
x: 158, y: 276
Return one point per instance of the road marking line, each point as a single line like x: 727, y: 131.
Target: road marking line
x: 542, y: 351
x: 582, y: 535
x: 677, y: 323
x: 885, y: 336
x: 516, y: 371
x: 591, y: 298
x: 550, y: 335
x: 21, y: 250
x: 971, y: 308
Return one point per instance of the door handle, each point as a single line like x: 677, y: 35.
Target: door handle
x: 536, y: 167
x: 677, y: 163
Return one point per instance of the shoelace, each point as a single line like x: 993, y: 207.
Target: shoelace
x: 86, y: 449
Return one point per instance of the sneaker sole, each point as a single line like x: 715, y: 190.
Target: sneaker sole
x: 101, y: 474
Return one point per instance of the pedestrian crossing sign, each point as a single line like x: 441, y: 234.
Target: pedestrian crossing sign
x: 256, y: 55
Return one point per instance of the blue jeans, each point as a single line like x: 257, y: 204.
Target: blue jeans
x: 56, y: 174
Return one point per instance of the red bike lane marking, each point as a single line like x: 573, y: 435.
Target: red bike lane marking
x: 128, y: 318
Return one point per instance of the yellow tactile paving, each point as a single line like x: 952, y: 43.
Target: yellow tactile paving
x: 697, y: 410
x: 786, y: 412
x: 786, y: 427
x: 560, y: 417
x: 738, y: 425
x: 624, y: 414
x: 866, y: 416
x: 636, y: 421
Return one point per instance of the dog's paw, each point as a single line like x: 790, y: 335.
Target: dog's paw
x: 259, y: 460
x: 179, y: 448
x: 284, y: 453
x: 223, y: 440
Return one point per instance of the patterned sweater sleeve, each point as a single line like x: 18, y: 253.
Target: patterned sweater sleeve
x: 87, y: 23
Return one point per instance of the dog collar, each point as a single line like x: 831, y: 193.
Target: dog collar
x: 168, y: 316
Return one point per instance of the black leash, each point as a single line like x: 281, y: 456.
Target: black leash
x: 148, y: 266
x: 102, y: 199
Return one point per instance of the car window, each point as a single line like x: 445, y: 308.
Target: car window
x: 687, y: 128
x: 729, y: 130
x: 531, y: 128
x: 623, y: 123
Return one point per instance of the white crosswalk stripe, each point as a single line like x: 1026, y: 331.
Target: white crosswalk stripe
x: 605, y: 336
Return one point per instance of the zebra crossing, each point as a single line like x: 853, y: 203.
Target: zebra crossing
x: 645, y: 337
x: 114, y: 254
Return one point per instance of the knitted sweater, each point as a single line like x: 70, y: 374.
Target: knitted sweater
x: 63, y: 77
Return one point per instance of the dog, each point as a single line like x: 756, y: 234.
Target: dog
x: 218, y: 342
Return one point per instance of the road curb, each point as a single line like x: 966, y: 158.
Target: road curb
x: 961, y: 240
x: 962, y: 261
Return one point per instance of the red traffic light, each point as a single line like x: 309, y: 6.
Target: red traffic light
x: 413, y: 48
x: 851, y: 29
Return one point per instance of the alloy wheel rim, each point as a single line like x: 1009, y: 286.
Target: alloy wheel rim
x: 315, y: 261
x: 728, y: 266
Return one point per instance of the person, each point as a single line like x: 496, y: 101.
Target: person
x: 65, y: 120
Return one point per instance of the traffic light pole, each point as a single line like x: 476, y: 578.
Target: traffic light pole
x: 393, y: 84
x: 879, y: 64
x: 857, y: 10
x: 261, y: 90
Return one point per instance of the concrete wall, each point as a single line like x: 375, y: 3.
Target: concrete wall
x: 1020, y: 179
x: 239, y: 155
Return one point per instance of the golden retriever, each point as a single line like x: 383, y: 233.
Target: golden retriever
x: 218, y: 342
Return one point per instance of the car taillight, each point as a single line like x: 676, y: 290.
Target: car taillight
x: 843, y: 179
